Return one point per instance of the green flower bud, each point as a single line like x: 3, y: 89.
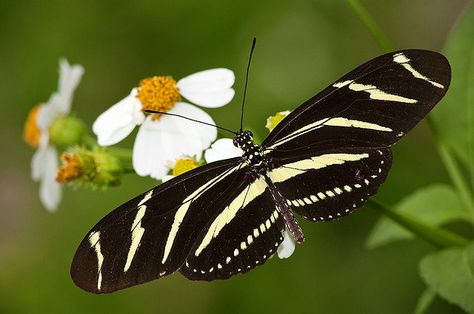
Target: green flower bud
x: 66, y: 131
x: 96, y: 169
x: 108, y: 168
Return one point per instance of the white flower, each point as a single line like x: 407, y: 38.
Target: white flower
x: 45, y: 160
x: 163, y: 138
x: 287, y: 247
x: 222, y: 149
x: 225, y: 149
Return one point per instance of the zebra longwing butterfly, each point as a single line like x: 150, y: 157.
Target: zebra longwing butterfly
x: 321, y: 162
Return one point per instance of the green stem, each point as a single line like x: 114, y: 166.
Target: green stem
x: 123, y: 153
x: 371, y: 25
x: 128, y: 169
x: 453, y: 168
x: 438, y: 237
x: 89, y: 141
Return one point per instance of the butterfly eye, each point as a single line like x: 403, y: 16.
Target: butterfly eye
x: 235, y: 142
x: 249, y: 134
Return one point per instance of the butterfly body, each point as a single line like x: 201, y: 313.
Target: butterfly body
x: 322, y: 162
x: 252, y: 153
x: 259, y: 165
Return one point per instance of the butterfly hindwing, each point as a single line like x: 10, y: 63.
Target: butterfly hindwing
x: 151, y: 235
x: 327, y: 185
x: 244, y: 235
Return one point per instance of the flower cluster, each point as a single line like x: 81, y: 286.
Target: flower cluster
x: 50, y: 127
x: 162, y: 138
x: 165, y: 146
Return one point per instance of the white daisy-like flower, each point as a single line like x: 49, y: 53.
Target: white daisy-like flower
x: 225, y: 149
x: 163, y: 138
x: 45, y: 160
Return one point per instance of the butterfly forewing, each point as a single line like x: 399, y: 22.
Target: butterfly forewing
x: 373, y: 105
x: 151, y: 235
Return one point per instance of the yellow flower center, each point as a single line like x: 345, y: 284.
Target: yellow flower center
x: 70, y: 170
x: 183, y: 165
x: 31, y: 131
x: 158, y: 93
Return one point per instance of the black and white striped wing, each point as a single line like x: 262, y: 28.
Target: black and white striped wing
x: 151, y: 235
x: 322, y: 186
x: 245, y: 234
x: 333, y: 152
x: 371, y: 106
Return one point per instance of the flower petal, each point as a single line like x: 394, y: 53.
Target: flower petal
x: 39, y: 158
x: 169, y: 138
x: 117, y: 122
x: 222, y: 149
x: 287, y: 247
x: 212, y: 99
x: 204, y: 133
x: 148, y: 156
x: 208, y: 80
x: 50, y: 190
x: 46, y: 114
x: 69, y: 78
x: 210, y: 88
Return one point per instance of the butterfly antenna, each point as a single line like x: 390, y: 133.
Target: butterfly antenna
x: 191, y: 119
x: 246, y: 81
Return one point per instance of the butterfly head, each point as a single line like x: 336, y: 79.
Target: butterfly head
x: 243, y: 139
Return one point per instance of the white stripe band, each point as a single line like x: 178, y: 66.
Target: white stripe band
x: 335, y: 121
x: 400, y: 58
x: 183, y: 209
x: 94, y: 239
x: 255, y: 189
x: 291, y: 170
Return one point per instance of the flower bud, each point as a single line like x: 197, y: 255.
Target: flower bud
x: 97, y: 168
x: 66, y: 131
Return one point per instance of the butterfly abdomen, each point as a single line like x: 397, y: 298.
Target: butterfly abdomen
x: 285, y: 211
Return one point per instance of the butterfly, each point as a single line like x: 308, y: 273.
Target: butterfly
x: 321, y: 162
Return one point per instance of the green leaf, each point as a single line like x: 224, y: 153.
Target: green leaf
x: 454, y: 117
x: 450, y: 273
x: 425, y: 300
x: 434, y: 205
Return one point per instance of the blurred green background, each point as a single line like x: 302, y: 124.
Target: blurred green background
x: 302, y: 47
